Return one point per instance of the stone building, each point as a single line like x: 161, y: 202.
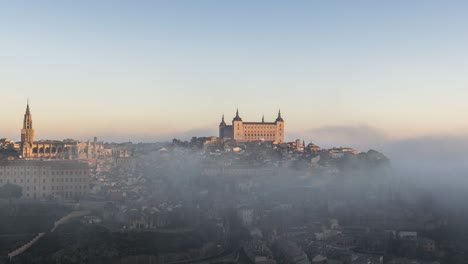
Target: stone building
x: 62, y: 179
x: 241, y: 131
x: 52, y: 149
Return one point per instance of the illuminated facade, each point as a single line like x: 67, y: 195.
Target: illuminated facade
x: 52, y: 149
x: 241, y: 131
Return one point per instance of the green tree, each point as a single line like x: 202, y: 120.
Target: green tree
x: 11, y: 191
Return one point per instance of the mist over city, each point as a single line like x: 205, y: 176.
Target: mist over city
x: 217, y: 132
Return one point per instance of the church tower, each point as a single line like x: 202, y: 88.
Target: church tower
x: 27, y: 133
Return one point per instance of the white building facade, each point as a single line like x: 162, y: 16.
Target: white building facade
x: 44, y: 179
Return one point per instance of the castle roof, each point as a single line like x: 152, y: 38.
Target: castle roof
x: 279, y: 118
x: 222, y: 121
x: 237, y: 117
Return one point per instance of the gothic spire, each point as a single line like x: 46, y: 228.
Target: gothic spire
x: 263, y: 118
x: 27, y: 108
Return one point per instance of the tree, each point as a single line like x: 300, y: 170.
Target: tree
x: 11, y: 191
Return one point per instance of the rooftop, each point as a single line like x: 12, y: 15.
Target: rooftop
x: 55, y: 164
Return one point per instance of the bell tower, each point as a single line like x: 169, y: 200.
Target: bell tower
x: 27, y: 133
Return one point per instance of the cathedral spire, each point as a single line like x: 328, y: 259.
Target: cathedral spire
x: 263, y: 118
x: 27, y: 133
x: 27, y: 108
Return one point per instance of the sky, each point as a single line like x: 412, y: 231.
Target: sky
x: 350, y: 72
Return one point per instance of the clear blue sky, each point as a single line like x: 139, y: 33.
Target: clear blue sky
x: 153, y: 69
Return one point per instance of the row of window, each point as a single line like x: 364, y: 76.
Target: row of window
x: 69, y: 180
x: 25, y: 168
x: 69, y: 194
x: 43, y: 180
x: 68, y: 172
x: 21, y: 181
x: 65, y: 194
x: 259, y: 135
x: 8, y: 173
x: 75, y: 187
x: 46, y: 150
x: 35, y: 188
x: 263, y: 128
x: 21, y: 173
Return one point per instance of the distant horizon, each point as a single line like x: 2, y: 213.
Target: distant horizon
x: 189, y: 132
x: 436, y: 151
x: 355, y: 73
x: 344, y: 137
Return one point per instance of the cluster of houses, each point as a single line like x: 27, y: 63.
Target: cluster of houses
x: 285, y: 227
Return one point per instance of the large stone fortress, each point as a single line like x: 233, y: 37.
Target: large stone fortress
x: 52, y: 149
x: 241, y: 131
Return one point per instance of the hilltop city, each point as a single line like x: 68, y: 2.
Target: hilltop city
x: 244, y: 196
